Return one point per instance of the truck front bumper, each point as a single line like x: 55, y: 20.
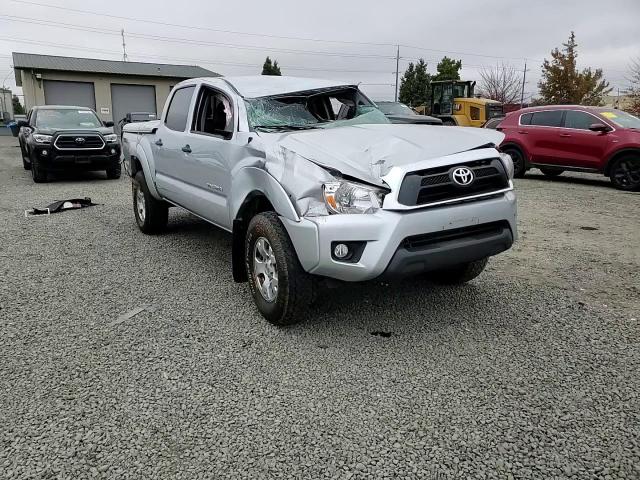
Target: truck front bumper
x: 399, y: 244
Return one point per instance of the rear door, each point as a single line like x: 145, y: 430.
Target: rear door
x: 543, y: 136
x: 579, y: 147
x: 172, y: 162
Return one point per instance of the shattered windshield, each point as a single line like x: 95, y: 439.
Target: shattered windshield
x: 315, y: 109
x: 395, y: 108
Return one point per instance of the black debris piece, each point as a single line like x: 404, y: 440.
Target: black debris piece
x: 61, y: 206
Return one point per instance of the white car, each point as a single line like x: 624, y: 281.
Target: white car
x: 314, y: 182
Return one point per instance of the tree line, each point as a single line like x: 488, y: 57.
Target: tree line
x: 562, y: 82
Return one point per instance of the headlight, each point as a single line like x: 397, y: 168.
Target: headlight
x: 349, y: 197
x: 508, y: 164
x: 39, y: 138
x: 111, y: 138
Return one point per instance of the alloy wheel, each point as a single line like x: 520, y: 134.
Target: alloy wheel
x: 265, y: 269
x: 141, y: 207
x: 627, y: 173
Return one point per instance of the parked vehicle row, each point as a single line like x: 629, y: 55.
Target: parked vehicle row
x: 315, y: 183
x: 576, y: 138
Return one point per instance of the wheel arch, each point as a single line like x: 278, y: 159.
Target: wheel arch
x: 511, y: 144
x: 254, y: 192
x: 617, y: 155
x: 139, y: 160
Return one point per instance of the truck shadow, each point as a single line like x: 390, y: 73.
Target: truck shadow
x: 382, y: 310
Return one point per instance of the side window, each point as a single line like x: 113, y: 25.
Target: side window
x: 214, y: 115
x: 475, y: 113
x: 179, y: 109
x: 551, y: 118
x: 526, y: 119
x: 578, y: 120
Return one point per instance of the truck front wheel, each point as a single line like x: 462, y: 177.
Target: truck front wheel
x: 460, y: 274
x: 281, y: 289
x: 151, y: 214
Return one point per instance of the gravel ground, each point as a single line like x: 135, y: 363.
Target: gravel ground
x: 531, y: 371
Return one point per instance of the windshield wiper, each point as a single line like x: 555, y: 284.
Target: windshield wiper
x: 286, y: 127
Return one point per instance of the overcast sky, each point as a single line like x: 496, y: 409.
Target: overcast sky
x: 353, y: 40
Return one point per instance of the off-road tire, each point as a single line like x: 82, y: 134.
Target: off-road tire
x: 114, y: 172
x: 625, y: 173
x: 449, y: 123
x: 156, y: 212
x: 519, y: 165
x: 460, y: 274
x: 25, y: 157
x: 551, y: 172
x: 295, y: 286
x: 38, y: 173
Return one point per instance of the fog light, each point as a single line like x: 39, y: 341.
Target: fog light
x: 341, y: 250
x: 44, y: 153
x: 113, y: 151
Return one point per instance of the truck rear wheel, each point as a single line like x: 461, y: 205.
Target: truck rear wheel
x: 151, y: 214
x: 460, y: 274
x: 280, y: 287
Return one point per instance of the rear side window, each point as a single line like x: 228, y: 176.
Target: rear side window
x: 526, y: 119
x: 552, y: 118
x: 179, y: 109
x: 578, y: 120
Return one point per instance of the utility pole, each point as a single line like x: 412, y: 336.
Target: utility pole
x: 124, y: 48
x: 524, y: 79
x: 397, y: 69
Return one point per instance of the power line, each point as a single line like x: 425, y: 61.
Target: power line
x: 190, y: 41
x: 203, y: 61
x: 192, y: 27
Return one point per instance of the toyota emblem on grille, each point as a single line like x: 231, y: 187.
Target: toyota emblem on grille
x: 462, y: 176
x: 79, y: 140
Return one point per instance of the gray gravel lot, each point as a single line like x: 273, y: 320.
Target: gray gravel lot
x: 531, y: 371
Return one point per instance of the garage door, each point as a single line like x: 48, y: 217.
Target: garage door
x: 79, y: 94
x: 132, y: 98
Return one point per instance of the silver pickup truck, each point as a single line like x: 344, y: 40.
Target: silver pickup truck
x: 314, y: 182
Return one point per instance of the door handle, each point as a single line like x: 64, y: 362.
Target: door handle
x: 565, y: 135
x: 159, y: 142
x: 522, y: 132
x: 186, y: 149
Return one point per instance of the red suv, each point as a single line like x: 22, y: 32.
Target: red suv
x: 582, y: 139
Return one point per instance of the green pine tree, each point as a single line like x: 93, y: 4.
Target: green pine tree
x: 448, y: 69
x: 414, y: 85
x: 271, y: 68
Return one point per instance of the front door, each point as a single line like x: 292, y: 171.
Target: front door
x: 213, y: 149
x: 579, y: 147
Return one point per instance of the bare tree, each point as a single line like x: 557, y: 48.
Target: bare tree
x: 501, y: 83
x: 634, y: 89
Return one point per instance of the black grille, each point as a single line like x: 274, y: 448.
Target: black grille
x: 427, y: 240
x: 436, y: 184
x: 65, y: 142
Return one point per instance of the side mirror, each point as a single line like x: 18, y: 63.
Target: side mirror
x: 599, y: 127
x: 22, y: 123
x: 108, y: 123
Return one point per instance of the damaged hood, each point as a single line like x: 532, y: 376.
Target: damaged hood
x: 368, y: 152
